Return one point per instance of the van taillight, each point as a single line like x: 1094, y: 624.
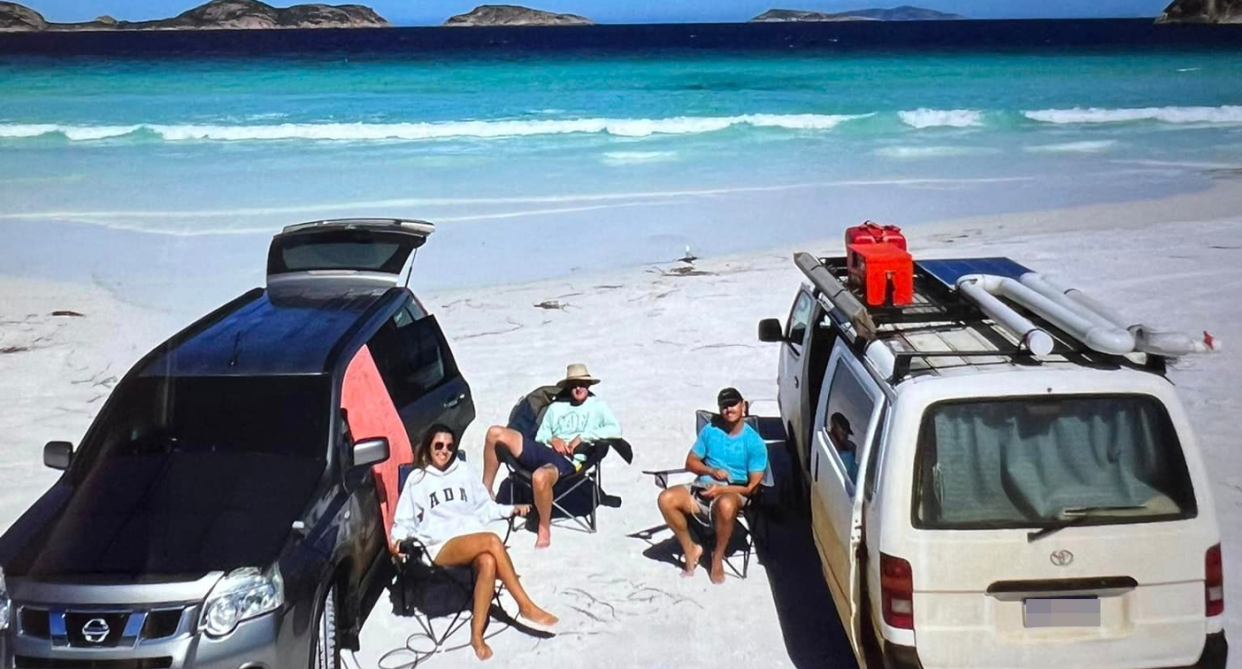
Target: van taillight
x: 1214, y: 582
x: 897, y: 591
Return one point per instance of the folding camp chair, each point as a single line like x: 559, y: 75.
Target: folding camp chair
x: 525, y: 419
x: 427, y: 591
x: 749, y: 521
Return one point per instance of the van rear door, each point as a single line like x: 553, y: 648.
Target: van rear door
x: 1056, y: 531
x: 359, y: 250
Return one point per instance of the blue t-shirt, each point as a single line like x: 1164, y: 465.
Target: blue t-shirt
x: 740, y: 455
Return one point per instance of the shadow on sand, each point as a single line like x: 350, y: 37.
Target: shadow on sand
x: 809, y: 623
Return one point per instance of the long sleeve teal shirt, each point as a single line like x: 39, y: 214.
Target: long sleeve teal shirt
x: 591, y: 421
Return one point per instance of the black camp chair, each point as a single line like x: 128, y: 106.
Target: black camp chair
x: 525, y: 418
x: 427, y: 592
x: 749, y: 522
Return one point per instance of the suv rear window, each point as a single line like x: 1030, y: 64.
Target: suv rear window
x: 340, y: 250
x: 1040, y: 461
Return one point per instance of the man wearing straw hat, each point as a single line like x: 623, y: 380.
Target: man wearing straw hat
x: 577, y: 417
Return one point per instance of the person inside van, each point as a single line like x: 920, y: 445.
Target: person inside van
x: 577, y: 417
x: 729, y: 459
x: 839, y: 430
x: 445, y: 507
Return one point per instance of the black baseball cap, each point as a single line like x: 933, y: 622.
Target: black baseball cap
x: 728, y: 397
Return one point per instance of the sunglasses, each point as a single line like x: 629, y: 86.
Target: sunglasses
x: 729, y: 405
x: 572, y: 386
x: 443, y: 446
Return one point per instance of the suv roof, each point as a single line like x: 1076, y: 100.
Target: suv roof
x: 943, y: 334
x: 261, y: 333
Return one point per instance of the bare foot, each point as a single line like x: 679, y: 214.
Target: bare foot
x: 692, y: 562
x: 543, y: 538
x: 539, y: 618
x: 481, y: 649
x: 718, y: 573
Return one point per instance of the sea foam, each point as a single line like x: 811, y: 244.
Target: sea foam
x: 941, y: 118
x: 1224, y: 114
x: 1096, y: 146
x: 681, y: 125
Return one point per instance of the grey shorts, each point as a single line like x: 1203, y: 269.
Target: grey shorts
x: 703, y: 506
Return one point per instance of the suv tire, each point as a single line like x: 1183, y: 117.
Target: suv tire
x: 325, y: 649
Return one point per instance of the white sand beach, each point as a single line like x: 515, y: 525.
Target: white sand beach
x: 663, y: 345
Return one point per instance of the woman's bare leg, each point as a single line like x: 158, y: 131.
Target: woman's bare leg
x: 461, y: 551
x: 484, y: 579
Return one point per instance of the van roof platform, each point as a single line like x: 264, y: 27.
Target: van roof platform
x: 943, y: 333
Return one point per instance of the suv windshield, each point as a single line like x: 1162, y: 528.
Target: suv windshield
x: 256, y: 415
x: 1036, y: 461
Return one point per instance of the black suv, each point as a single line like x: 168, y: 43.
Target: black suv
x: 221, y: 512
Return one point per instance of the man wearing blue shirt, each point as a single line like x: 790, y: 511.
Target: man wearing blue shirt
x: 729, y: 458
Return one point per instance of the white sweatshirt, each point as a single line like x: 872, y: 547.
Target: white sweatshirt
x: 436, y: 506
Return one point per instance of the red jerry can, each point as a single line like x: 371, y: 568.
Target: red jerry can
x: 883, y: 273
x: 871, y: 232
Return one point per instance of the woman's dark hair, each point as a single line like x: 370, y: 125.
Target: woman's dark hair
x: 422, y: 453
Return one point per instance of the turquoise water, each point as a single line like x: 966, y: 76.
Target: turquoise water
x: 600, y: 160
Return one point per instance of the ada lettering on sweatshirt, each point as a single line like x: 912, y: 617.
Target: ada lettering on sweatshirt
x: 436, y: 506
x: 592, y: 420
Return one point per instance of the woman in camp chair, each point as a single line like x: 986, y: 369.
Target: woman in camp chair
x: 445, y: 507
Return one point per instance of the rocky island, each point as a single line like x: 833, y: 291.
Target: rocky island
x: 215, y: 15
x: 903, y: 13
x: 513, y: 15
x: 1202, y: 11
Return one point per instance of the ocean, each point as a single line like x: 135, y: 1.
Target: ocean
x: 162, y: 161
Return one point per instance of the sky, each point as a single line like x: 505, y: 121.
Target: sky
x: 434, y: 12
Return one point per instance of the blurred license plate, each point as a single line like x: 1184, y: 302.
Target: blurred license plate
x: 1062, y: 612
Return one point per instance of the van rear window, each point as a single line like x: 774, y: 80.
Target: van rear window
x: 1042, y: 461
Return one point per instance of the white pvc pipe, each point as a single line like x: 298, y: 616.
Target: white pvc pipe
x: 1146, y: 340
x: 1171, y: 344
x: 1111, y: 340
x: 1086, y: 301
x: 1036, y: 340
x: 1061, y: 296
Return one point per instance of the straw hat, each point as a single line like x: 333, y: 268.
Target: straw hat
x: 577, y: 372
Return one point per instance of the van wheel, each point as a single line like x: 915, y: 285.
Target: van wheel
x: 325, y: 642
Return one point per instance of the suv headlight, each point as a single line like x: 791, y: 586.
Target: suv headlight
x: 241, y: 595
x: 4, y: 603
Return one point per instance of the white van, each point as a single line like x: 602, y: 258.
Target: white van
x: 990, y: 491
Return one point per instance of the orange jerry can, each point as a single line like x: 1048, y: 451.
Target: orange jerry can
x: 882, y: 273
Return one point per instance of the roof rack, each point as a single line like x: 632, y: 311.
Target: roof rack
x: 938, y: 305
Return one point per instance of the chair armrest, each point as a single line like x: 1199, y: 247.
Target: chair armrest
x: 661, y: 475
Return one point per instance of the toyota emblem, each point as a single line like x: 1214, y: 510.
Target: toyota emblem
x: 1061, y: 558
x: 95, y: 630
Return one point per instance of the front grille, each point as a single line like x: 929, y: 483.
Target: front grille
x: 161, y: 624
x: 34, y: 623
x: 95, y: 630
x: 23, y: 662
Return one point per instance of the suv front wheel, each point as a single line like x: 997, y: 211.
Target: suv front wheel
x: 325, y: 649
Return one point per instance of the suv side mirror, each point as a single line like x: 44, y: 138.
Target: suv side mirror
x: 58, y: 454
x: 770, y: 330
x: 370, y: 451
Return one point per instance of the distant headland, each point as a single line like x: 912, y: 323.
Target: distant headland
x: 1202, y: 11
x: 215, y: 15
x: 513, y: 15
x: 903, y: 13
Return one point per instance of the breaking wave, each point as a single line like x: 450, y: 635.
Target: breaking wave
x: 941, y: 118
x: 1224, y: 114
x: 681, y: 125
